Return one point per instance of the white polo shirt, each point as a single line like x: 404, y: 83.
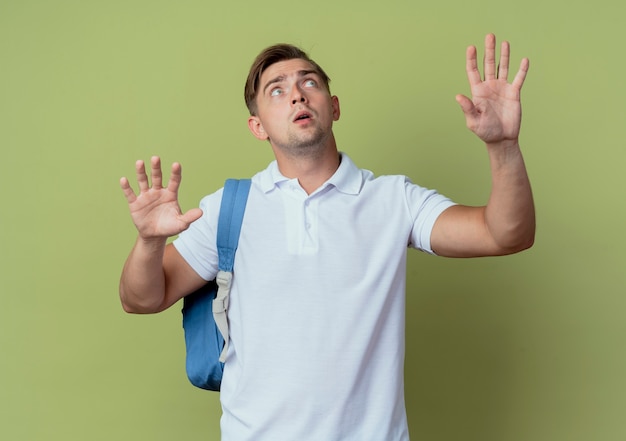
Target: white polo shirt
x: 317, y: 305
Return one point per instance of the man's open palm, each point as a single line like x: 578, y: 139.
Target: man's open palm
x: 155, y: 210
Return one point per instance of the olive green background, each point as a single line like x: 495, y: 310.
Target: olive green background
x: 526, y: 347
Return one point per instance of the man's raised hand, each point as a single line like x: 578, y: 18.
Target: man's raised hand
x: 155, y: 210
x: 494, y: 112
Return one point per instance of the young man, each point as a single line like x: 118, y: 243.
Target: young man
x: 317, y: 306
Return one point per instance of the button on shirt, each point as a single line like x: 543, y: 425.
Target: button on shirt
x: 301, y: 217
x: 317, y: 304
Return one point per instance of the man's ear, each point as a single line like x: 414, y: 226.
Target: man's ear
x: 336, y: 109
x: 255, y: 126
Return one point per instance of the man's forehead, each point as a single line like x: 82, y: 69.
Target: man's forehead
x: 286, y: 68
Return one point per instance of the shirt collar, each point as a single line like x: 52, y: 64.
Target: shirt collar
x: 347, y: 179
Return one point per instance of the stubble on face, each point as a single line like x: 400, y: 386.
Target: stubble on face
x: 303, y: 144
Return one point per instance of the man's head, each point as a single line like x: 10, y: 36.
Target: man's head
x: 269, y: 56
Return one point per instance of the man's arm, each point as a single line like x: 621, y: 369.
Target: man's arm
x: 506, y: 224
x: 155, y: 276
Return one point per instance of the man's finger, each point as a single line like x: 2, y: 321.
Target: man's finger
x: 466, y: 104
x: 518, y: 81
x: 192, y: 215
x: 489, y: 64
x: 503, y: 68
x: 175, y: 177
x: 128, y: 191
x: 471, y: 66
x: 142, y: 178
x: 155, y: 173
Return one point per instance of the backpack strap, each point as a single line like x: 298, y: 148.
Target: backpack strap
x: 233, y: 205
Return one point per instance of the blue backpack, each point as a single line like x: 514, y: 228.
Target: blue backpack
x: 204, y: 311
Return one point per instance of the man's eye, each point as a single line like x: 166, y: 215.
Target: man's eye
x: 276, y: 92
x: 310, y: 83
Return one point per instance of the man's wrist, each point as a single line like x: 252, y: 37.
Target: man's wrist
x: 508, y: 144
x: 152, y: 244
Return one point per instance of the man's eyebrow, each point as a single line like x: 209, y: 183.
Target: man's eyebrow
x: 305, y: 72
x: 278, y: 79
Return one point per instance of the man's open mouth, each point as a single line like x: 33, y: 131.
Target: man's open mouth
x: 302, y: 116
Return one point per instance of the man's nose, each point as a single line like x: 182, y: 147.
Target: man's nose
x: 297, y: 96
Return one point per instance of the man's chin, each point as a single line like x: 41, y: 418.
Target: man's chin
x: 307, y: 142
x: 303, y: 148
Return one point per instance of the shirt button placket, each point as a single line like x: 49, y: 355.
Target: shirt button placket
x: 307, y: 223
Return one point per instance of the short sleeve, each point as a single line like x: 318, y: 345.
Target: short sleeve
x: 198, y: 244
x: 425, y: 206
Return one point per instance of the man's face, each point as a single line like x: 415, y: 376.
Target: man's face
x: 295, y: 111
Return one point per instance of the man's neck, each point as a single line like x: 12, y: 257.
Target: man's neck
x: 310, y: 170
